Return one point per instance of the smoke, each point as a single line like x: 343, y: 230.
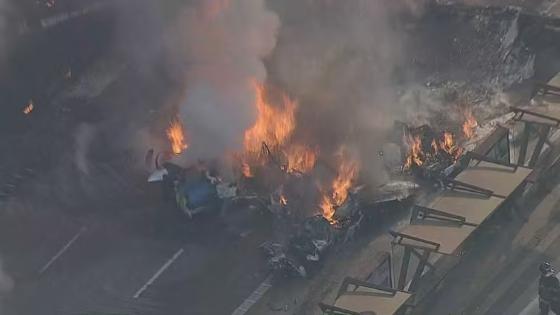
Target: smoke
x: 341, y: 59
x: 83, y: 138
x: 354, y: 67
x: 223, y: 44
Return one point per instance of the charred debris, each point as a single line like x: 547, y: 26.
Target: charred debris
x: 488, y: 49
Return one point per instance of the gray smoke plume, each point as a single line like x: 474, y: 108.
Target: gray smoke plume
x: 341, y: 61
x: 223, y: 45
x: 83, y: 137
x: 355, y: 67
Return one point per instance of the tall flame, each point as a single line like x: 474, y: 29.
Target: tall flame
x: 300, y: 158
x: 328, y: 208
x: 274, y: 124
x: 246, y: 170
x: 176, y: 136
x: 415, y: 155
x: 469, y: 125
x: 347, y: 172
x: 448, y: 145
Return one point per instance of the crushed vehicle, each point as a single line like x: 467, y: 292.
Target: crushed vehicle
x: 303, y: 252
x: 194, y: 190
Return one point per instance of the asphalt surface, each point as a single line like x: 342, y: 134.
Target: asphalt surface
x: 103, y: 241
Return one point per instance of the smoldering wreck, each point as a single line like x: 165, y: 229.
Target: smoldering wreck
x: 319, y: 191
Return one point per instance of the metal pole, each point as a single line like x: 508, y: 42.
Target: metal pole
x: 523, y: 144
x: 543, y: 134
x: 419, y: 270
x: 404, y: 268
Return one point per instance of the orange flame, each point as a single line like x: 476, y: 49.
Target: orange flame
x: 448, y: 145
x: 435, y: 146
x: 347, y: 172
x: 469, y: 125
x: 328, y: 208
x: 246, y: 170
x: 274, y: 125
x: 300, y: 158
x: 29, y: 108
x: 176, y: 136
x: 415, y: 155
x: 283, y: 200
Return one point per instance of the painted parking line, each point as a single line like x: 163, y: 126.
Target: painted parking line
x: 254, y: 297
x: 158, y: 273
x: 62, y: 250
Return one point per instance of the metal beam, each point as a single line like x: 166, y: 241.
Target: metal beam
x: 479, y: 157
x: 404, y: 268
x: 419, y: 270
x: 419, y: 256
x: 461, y: 186
x: 524, y: 143
x: 543, y: 135
x: 420, y: 213
x: 520, y: 112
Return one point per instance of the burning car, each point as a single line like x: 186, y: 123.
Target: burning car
x: 193, y: 189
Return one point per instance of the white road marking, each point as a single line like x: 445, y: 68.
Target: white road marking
x: 254, y: 297
x: 62, y: 250
x: 158, y: 273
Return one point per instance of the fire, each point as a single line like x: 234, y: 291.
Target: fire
x: 283, y: 200
x: 435, y: 146
x: 328, y: 208
x: 415, y: 156
x: 448, y: 145
x: 29, y: 108
x: 246, y: 170
x: 176, y: 136
x: 274, y: 124
x: 300, y: 158
x: 347, y: 173
x: 469, y: 125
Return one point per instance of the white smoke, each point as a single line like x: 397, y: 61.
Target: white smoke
x: 224, y: 43
x: 339, y: 58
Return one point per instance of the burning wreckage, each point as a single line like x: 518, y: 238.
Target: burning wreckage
x: 198, y: 189
x: 341, y: 210
x: 315, y: 201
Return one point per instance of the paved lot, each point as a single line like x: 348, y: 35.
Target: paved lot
x: 77, y: 243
